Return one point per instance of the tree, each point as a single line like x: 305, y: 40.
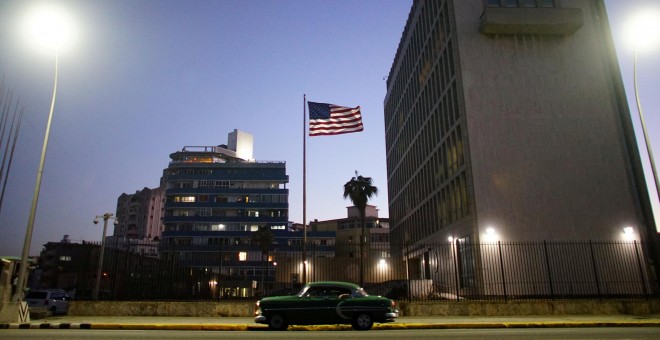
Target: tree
x: 263, y: 237
x: 360, y: 189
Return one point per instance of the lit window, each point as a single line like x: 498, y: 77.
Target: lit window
x: 188, y: 199
x: 242, y: 256
x: 65, y: 258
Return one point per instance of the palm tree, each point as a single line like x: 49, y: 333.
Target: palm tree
x: 360, y: 189
x: 263, y: 237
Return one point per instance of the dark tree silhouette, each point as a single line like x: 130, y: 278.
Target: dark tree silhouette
x: 360, y: 189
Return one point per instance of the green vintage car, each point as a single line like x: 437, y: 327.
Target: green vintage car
x: 326, y: 303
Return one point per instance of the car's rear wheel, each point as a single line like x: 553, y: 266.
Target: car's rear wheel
x: 277, y: 322
x: 362, y: 322
x: 51, y: 311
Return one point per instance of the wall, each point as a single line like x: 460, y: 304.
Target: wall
x: 411, y: 309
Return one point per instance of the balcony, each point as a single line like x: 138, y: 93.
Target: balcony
x: 538, y: 21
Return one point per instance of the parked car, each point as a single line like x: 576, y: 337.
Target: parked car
x: 54, y: 301
x: 322, y: 303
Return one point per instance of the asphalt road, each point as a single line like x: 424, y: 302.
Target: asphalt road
x: 533, y: 333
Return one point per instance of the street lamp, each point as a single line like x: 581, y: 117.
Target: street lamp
x: 50, y: 28
x: 105, y: 217
x: 643, y: 32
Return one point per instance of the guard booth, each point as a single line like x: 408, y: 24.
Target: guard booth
x: 8, y: 277
x: 11, y: 311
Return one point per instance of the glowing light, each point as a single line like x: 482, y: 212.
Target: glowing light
x: 450, y: 239
x: 629, y: 233
x: 643, y: 29
x: 50, y: 28
x: 382, y: 264
x: 491, y: 235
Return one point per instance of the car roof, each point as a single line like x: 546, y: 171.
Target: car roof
x: 334, y: 283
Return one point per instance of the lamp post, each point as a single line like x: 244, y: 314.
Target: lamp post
x: 52, y: 29
x: 97, y: 285
x: 644, y: 32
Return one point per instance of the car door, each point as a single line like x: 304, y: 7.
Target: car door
x: 318, y: 306
x: 58, y: 301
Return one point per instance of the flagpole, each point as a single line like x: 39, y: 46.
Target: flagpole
x: 304, y: 250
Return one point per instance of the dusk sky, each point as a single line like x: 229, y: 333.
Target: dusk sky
x: 148, y: 77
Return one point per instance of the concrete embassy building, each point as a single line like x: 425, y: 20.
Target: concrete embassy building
x: 506, y: 120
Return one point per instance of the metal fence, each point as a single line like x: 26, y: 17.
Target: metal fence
x: 452, y: 271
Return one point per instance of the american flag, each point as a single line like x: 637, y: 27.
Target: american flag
x: 329, y: 119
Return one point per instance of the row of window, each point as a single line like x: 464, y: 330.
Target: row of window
x: 438, y: 92
x: 217, y: 258
x: 422, y: 173
x: 374, y: 238
x: 186, y: 241
x: 425, y: 143
x: 441, y: 154
x: 212, y: 184
x: 208, y: 184
x: 229, y: 226
x: 404, y: 90
x: 357, y: 225
x: 253, y: 198
x: 446, y: 206
x: 218, y: 212
x: 224, y: 172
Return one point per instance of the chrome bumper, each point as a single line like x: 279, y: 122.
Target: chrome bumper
x: 260, y: 319
x: 391, y: 316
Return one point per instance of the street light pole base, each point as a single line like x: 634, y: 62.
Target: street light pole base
x: 15, y: 312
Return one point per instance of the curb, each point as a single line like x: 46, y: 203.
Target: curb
x: 389, y: 326
x: 46, y: 326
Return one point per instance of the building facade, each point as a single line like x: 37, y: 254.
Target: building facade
x: 215, y: 200
x: 506, y: 121
x: 377, y: 260
x: 140, y: 215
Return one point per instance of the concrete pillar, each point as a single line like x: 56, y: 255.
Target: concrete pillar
x: 15, y: 312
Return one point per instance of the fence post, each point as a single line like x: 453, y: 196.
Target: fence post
x: 455, y: 255
x: 547, y: 264
x: 405, y: 258
x: 499, y: 247
x: 593, y: 262
x: 641, y: 273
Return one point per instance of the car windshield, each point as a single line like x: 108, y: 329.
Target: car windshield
x: 303, y: 290
x: 357, y: 293
x: 36, y: 295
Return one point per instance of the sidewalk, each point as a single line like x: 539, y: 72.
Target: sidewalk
x: 244, y: 324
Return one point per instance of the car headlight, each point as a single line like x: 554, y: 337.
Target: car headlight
x: 257, y: 310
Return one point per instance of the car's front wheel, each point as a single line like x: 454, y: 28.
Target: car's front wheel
x: 362, y: 322
x: 277, y: 322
